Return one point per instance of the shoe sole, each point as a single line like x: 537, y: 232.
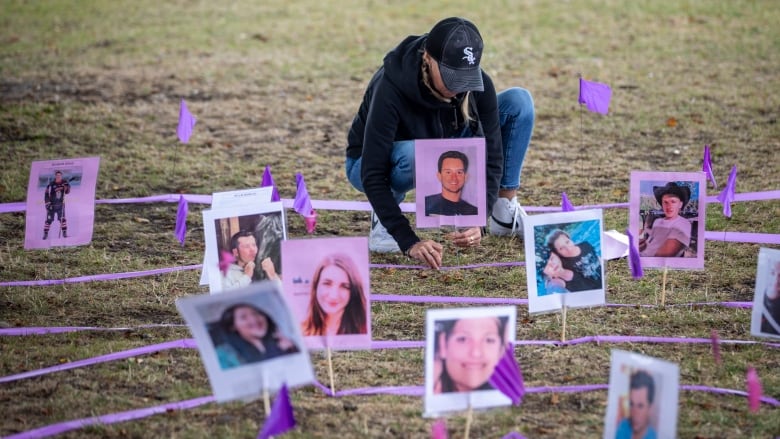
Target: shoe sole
x: 496, y: 231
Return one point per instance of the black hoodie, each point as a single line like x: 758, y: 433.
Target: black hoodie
x: 398, y: 106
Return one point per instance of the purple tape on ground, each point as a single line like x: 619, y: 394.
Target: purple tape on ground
x: 165, y: 198
x: 402, y: 344
x: 749, y: 196
x: 445, y: 299
x: 99, y: 277
x: 755, y: 238
x: 113, y: 418
x: 20, y: 206
x: 130, y: 415
x: 183, y: 343
x: 765, y: 399
x: 62, y: 329
x: 454, y: 267
x: 190, y: 344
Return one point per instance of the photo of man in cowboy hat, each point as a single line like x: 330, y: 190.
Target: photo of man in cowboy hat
x: 670, y: 235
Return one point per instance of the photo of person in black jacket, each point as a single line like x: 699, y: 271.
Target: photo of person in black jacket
x: 432, y: 86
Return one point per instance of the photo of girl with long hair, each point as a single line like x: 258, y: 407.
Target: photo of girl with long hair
x: 327, y: 288
x: 246, y: 334
x: 467, y: 352
x: 337, y: 303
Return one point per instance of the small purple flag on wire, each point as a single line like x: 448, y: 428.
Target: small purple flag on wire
x: 595, y: 96
x: 634, y: 262
x: 302, y: 204
x: 181, y: 220
x: 268, y: 180
x: 507, y: 376
x: 753, y: 389
x: 727, y: 195
x: 706, y: 166
x: 566, y: 205
x: 439, y: 429
x: 186, y: 123
x: 715, y: 346
x: 225, y: 259
x: 281, y: 419
x: 513, y: 435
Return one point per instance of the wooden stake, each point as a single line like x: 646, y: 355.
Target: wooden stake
x: 266, y: 402
x: 563, y: 327
x: 663, y: 286
x: 469, y: 417
x: 330, y: 373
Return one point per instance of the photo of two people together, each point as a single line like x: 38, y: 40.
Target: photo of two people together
x: 568, y: 257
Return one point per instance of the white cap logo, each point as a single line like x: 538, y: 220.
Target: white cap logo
x: 469, y: 55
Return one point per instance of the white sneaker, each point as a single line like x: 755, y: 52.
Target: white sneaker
x: 507, y: 218
x: 379, y: 240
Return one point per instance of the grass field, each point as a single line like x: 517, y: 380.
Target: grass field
x: 277, y: 83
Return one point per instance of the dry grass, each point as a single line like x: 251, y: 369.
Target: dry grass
x: 277, y: 83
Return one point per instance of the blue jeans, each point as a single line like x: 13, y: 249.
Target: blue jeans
x: 516, y: 118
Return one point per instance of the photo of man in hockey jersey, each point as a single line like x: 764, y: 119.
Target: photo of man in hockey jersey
x: 54, y: 198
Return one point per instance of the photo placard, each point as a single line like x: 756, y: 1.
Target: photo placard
x: 462, y: 348
x: 250, y: 236
x: 450, y: 182
x: 327, y: 287
x: 666, y: 214
x: 61, y: 202
x: 256, y: 196
x: 765, y: 321
x: 564, y: 260
x: 248, y: 341
x: 643, y: 397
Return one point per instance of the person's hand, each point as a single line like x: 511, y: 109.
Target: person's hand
x: 467, y: 238
x: 268, y: 267
x: 284, y: 343
x: 249, y: 269
x: 642, y: 244
x: 427, y: 251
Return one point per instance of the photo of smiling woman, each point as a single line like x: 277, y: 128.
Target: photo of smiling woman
x: 245, y: 334
x: 466, y: 353
x: 337, y: 304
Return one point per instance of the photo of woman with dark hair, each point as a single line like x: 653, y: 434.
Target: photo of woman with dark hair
x: 468, y: 351
x: 337, y: 304
x: 245, y: 334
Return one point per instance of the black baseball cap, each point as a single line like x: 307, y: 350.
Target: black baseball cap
x: 455, y: 43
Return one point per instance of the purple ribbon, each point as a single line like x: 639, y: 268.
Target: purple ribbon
x: 183, y: 343
x: 20, y: 206
x: 98, y: 277
x: 113, y: 418
x: 189, y: 343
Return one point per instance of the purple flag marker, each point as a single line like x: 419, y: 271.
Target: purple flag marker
x: 507, y: 376
x: 566, y: 205
x: 281, y: 419
x: 715, y: 346
x: 439, y: 429
x: 727, y: 195
x: 302, y: 204
x: 186, y: 123
x: 753, y: 389
x: 226, y: 258
x: 595, y: 96
x: 706, y: 166
x: 634, y: 262
x: 513, y: 435
x: 268, y: 180
x: 181, y: 220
